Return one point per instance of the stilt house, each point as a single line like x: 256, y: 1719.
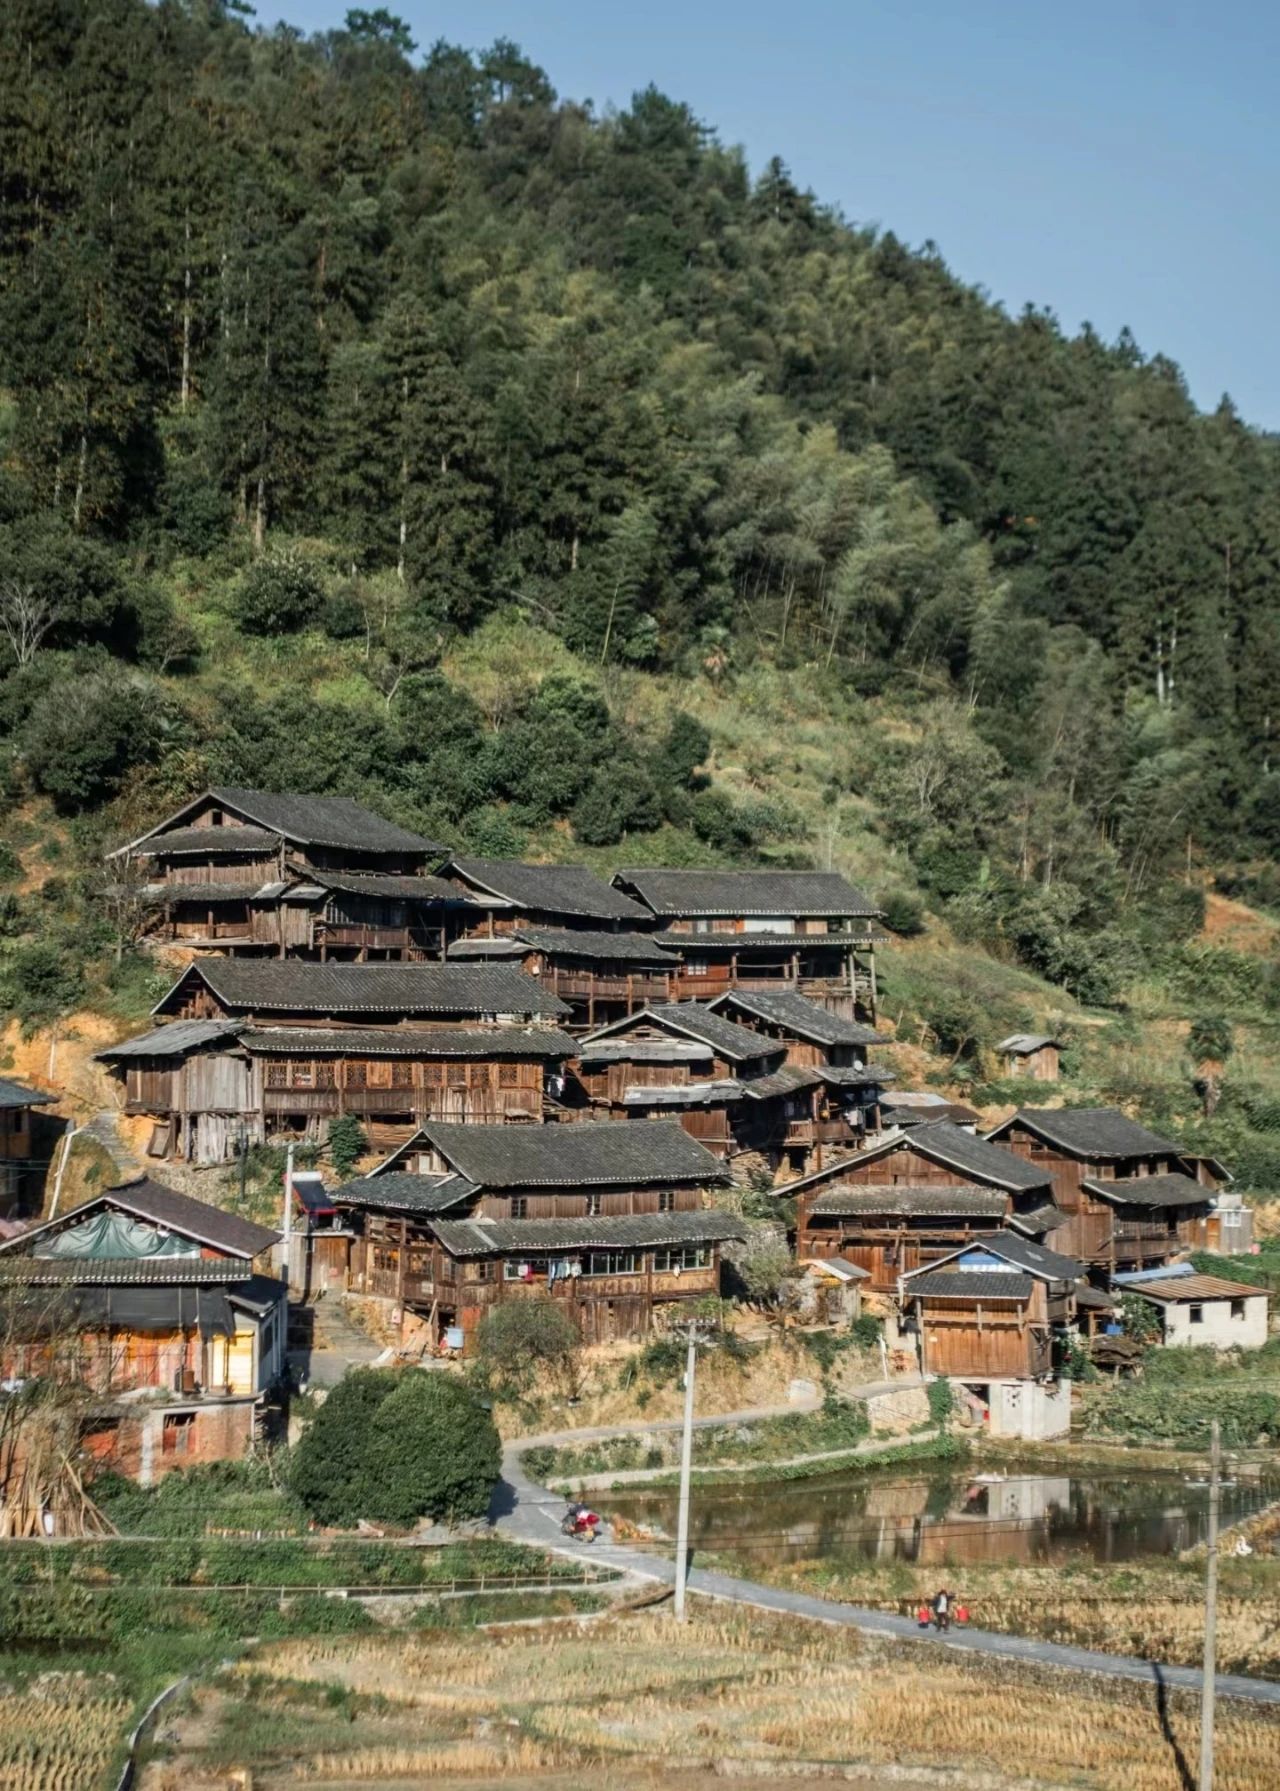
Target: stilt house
x: 909, y: 1201
x: 21, y: 1167
x: 771, y: 930
x: 272, y: 1050
x: 585, y: 941
x: 1131, y: 1199
x: 609, y: 1220
x: 253, y: 873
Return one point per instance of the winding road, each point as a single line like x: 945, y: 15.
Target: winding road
x: 527, y: 1512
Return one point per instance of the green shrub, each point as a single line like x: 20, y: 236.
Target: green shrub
x: 942, y: 1402
x: 279, y: 594
x: 395, y: 1448
x: 519, y: 1340
x: 347, y: 1143
x: 866, y: 1330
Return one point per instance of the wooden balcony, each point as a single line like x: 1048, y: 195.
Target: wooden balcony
x: 586, y: 986
x: 301, y: 1100
x: 346, y: 936
x: 574, y: 1290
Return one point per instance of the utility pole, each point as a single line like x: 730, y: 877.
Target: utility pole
x: 1208, y: 1687
x: 694, y: 1335
x: 286, y: 1228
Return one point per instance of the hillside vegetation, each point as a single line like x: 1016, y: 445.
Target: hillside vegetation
x: 374, y: 421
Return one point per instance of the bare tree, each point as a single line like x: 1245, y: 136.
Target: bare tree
x: 26, y: 617
x: 120, y: 891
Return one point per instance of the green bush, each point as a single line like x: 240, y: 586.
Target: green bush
x: 523, y: 1339
x: 279, y: 594
x: 347, y: 1143
x: 942, y: 1402
x: 394, y: 1448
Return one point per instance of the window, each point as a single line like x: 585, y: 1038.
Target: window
x: 681, y: 1256
x: 277, y: 1075
x: 595, y: 1205
x: 432, y: 1074
x: 666, y: 1200
x: 611, y: 1262
x: 1196, y: 1315
x: 1237, y: 1308
x: 456, y: 1075
x: 519, y: 1207
x: 357, y: 1073
x: 508, y: 1075
x: 448, y: 1268
x: 401, y: 1073
x: 484, y: 1271
x: 178, y: 1432
x: 304, y: 1075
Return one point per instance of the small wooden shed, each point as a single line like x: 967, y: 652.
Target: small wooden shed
x: 1031, y: 1055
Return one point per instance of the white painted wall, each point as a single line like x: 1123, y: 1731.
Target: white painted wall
x: 1030, y: 1411
x: 1216, y: 1326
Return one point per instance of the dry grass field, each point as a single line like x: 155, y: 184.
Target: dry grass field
x: 60, y: 1732
x: 738, y: 1697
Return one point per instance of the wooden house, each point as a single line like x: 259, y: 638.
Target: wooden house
x: 610, y: 1221
x: 166, y: 1307
x: 583, y: 939
x: 1032, y: 1055
x: 912, y: 1199
x: 21, y: 1161
x: 1131, y: 1199
x: 255, y: 873
x: 731, y: 1088
x: 771, y: 930
x: 995, y: 1318
x: 267, y: 1049
x: 850, y: 1108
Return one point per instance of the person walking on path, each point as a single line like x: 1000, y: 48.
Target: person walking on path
x: 942, y: 1609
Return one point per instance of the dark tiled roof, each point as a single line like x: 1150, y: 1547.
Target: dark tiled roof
x: 402, y: 1192
x: 905, y: 1117
x: 173, y: 1040
x: 906, y: 1202
x: 1038, y: 1220
x: 292, y: 985
x: 700, y: 945
x: 485, y: 1237
x: 386, y: 887
x: 570, y: 942
x: 324, y: 821
x: 409, y: 1041
x: 734, y: 893
x: 1033, y: 1259
x: 258, y: 1294
x: 940, y: 1141
x: 174, y: 893
x: 1091, y: 1132
x: 84, y: 1271
x: 797, y: 1014
x: 175, y: 1212
x: 1150, y: 1190
x: 196, y: 842
x: 17, y: 1094
x: 548, y: 888
x: 790, y: 1079
x: 603, y: 1154
x: 969, y: 1284
x: 736, y: 1043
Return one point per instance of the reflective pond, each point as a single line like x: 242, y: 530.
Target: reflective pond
x: 950, y: 1514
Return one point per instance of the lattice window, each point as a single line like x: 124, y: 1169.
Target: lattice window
x: 401, y: 1073
x: 456, y: 1075
x: 357, y: 1073
x: 326, y: 1073
x: 432, y: 1075
x: 277, y: 1075
x: 508, y: 1075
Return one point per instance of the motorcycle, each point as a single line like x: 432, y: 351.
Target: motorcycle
x: 581, y: 1525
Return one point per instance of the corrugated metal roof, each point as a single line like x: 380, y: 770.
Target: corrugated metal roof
x: 1150, y: 1190
x: 910, y: 1202
x: 797, y: 1015
x: 408, y: 1041
x: 174, y: 1040
x: 601, y: 1154
x: 1092, y: 1133
x: 1022, y: 1044
x: 1199, y: 1287
x: 487, y: 1237
x: 683, y: 1094
x: 741, y: 893
x: 547, y: 888
x: 978, y: 1285
x: 293, y: 985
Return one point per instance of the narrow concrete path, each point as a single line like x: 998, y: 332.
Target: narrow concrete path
x: 529, y: 1513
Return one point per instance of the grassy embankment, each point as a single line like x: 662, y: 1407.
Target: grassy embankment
x: 743, y: 1695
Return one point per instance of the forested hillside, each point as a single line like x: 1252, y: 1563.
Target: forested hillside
x: 374, y: 420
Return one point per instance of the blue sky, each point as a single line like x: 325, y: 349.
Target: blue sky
x: 1119, y: 163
